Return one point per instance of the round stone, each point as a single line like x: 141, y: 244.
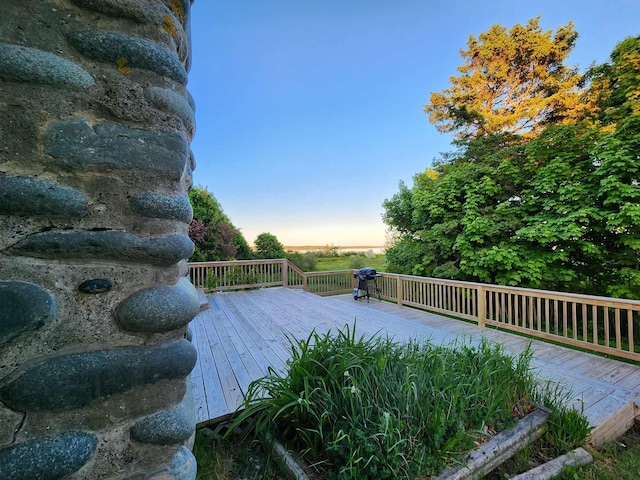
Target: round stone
x: 30, y: 196
x: 183, y: 466
x: 159, y: 309
x: 47, y: 458
x: 76, y: 144
x: 170, y: 426
x: 174, y: 103
x: 158, y: 205
x: 108, y: 245
x: 31, y: 65
x: 23, y: 307
x: 74, y: 380
x: 131, y: 51
x: 95, y: 285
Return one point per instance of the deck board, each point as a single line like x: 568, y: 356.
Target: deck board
x: 221, y: 372
x: 242, y: 334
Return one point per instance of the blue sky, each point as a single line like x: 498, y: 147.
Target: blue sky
x: 310, y: 112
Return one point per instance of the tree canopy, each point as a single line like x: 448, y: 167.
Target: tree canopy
x: 213, y: 234
x: 268, y: 246
x: 511, y: 81
x: 559, y: 210
x: 615, y: 87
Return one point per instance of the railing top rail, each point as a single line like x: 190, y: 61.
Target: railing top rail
x: 634, y: 304
x: 529, y: 291
x: 238, y: 262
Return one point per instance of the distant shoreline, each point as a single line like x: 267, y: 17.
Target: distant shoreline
x: 312, y: 248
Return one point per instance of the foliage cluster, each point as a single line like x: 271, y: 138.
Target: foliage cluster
x: 512, y: 82
x: 555, y: 207
x: 213, y: 234
x: 346, y: 262
x: 267, y: 245
x: 238, y: 457
x: 306, y: 261
x: 235, y: 457
x: 235, y: 276
x: 370, y: 408
x: 357, y: 261
x: 325, y: 260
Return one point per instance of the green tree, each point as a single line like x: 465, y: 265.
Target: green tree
x: 561, y: 212
x: 268, y: 246
x: 243, y: 250
x: 530, y: 198
x: 615, y: 86
x: 213, y: 234
x: 512, y: 82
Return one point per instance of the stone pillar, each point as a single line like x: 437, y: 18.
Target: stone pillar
x: 95, y: 165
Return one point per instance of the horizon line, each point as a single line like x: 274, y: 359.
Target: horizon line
x: 325, y: 247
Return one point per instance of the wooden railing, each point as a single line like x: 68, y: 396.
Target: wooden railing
x: 602, y: 324
x: 243, y: 274
x: 238, y: 274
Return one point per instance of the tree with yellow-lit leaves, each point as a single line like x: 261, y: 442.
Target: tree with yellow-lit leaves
x: 512, y: 81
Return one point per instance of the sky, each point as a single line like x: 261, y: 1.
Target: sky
x: 309, y: 113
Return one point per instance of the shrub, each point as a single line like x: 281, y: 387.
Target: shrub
x: 357, y: 262
x: 306, y: 262
x: 370, y: 254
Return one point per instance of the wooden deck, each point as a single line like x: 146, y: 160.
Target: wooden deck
x: 243, y: 333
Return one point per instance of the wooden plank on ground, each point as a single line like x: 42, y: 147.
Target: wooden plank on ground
x: 230, y: 389
x: 248, y: 369
x: 199, y: 395
x: 216, y: 403
x: 263, y: 353
x: 262, y: 326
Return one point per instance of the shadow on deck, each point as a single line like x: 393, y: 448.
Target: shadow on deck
x: 243, y: 333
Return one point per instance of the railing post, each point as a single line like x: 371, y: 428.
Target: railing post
x: 482, y: 306
x: 399, y: 289
x: 304, y: 282
x: 285, y: 272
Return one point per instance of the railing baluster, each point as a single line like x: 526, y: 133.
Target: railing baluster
x: 630, y: 330
x: 605, y: 311
x: 482, y: 308
x: 594, y: 315
x: 618, y: 321
x: 547, y: 327
x: 491, y: 302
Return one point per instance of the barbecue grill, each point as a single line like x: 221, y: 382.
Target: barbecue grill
x: 363, y: 277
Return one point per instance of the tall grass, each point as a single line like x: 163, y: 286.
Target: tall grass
x: 370, y: 408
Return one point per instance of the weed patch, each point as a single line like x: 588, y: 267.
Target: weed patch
x: 237, y: 456
x: 370, y: 408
